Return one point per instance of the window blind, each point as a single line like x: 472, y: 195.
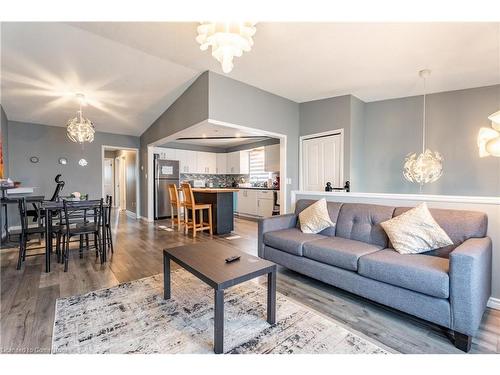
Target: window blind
x: 257, y: 166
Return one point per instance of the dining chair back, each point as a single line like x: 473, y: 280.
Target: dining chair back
x: 26, y: 232
x: 82, y: 218
x: 107, y: 223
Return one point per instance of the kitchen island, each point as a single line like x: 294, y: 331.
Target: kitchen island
x: 221, y: 200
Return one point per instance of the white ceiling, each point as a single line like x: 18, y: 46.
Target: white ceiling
x: 135, y: 70
x: 207, y: 130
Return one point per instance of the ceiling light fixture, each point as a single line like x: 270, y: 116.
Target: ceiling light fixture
x: 488, y: 139
x: 80, y: 129
x: 227, y: 39
x: 426, y: 167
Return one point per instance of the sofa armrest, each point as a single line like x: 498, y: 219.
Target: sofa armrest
x: 270, y: 224
x: 470, y: 283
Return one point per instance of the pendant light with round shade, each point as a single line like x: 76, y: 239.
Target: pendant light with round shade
x: 427, y: 166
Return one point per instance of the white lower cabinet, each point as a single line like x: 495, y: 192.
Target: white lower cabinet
x: 254, y: 202
x: 247, y: 202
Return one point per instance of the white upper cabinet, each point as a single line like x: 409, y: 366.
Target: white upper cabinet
x: 221, y: 163
x: 206, y: 162
x: 187, y: 161
x: 272, y: 158
x: 167, y: 153
x: 238, y: 162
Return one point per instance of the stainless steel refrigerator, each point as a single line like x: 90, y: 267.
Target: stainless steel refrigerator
x: 166, y: 172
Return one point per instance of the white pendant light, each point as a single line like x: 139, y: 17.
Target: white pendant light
x: 427, y: 166
x: 227, y: 39
x: 80, y: 129
x: 488, y: 139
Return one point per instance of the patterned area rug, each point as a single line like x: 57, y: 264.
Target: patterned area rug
x: 134, y: 318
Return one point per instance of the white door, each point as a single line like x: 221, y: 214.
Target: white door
x: 116, y: 198
x: 109, y: 185
x: 322, y: 162
x: 123, y: 184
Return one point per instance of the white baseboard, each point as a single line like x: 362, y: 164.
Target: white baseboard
x: 131, y: 214
x: 494, y: 303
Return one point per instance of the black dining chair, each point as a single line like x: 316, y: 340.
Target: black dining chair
x: 82, y: 218
x: 107, y: 224
x: 27, y: 233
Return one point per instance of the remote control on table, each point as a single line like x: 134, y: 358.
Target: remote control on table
x: 232, y: 259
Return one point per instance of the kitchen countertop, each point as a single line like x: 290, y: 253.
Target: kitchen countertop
x: 215, y: 190
x: 259, y: 188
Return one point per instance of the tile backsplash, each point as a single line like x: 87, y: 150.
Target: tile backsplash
x: 218, y: 180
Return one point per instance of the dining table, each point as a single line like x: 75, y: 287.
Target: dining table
x: 50, y: 209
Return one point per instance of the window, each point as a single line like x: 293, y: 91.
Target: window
x: 257, y: 164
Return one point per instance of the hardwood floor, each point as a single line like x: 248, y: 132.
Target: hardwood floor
x: 28, y: 296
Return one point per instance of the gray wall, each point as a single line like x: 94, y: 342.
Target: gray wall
x: 329, y: 114
x: 238, y: 103
x: 4, y: 127
x: 4, y: 132
x: 49, y: 143
x: 189, y: 109
x: 393, y: 129
x: 357, y: 141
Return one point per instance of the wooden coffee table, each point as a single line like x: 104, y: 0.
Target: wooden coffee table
x: 207, y: 262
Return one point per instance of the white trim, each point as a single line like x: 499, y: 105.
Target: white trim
x: 137, y: 172
x: 494, y: 303
x: 318, y: 135
x: 405, y: 197
x: 283, y: 160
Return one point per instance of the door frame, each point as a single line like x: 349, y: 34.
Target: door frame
x: 137, y: 174
x: 302, y: 167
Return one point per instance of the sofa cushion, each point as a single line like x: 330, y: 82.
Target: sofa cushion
x: 333, y: 210
x: 416, y: 231
x: 417, y: 272
x: 361, y: 222
x: 338, y: 251
x: 460, y: 225
x: 290, y: 240
x: 315, y: 218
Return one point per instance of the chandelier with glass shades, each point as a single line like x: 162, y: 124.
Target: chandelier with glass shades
x: 427, y: 166
x: 488, y: 139
x: 80, y: 129
x: 227, y: 39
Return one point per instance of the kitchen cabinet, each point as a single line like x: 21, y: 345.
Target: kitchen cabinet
x: 187, y: 161
x: 206, y: 162
x: 238, y: 162
x: 254, y: 202
x: 221, y: 163
x: 272, y: 158
x: 247, y: 202
x: 167, y: 154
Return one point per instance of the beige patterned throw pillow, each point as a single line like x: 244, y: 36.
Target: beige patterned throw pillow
x: 315, y: 218
x: 415, y: 231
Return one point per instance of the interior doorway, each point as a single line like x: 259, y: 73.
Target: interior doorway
x: 120, y: 178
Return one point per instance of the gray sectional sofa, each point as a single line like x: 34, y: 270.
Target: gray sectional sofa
x: 448, y: 286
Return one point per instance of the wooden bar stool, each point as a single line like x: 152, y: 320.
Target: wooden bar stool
x: 191, y: 205
x: 176, y: 204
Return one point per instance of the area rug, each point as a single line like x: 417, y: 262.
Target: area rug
x: 134, y: 318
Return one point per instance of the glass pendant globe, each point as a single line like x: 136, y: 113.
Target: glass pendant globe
x: 423, y: 168
x: 80, y: 129
x: 493, y: 146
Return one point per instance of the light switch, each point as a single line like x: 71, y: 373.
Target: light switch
x: 288, y: 181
